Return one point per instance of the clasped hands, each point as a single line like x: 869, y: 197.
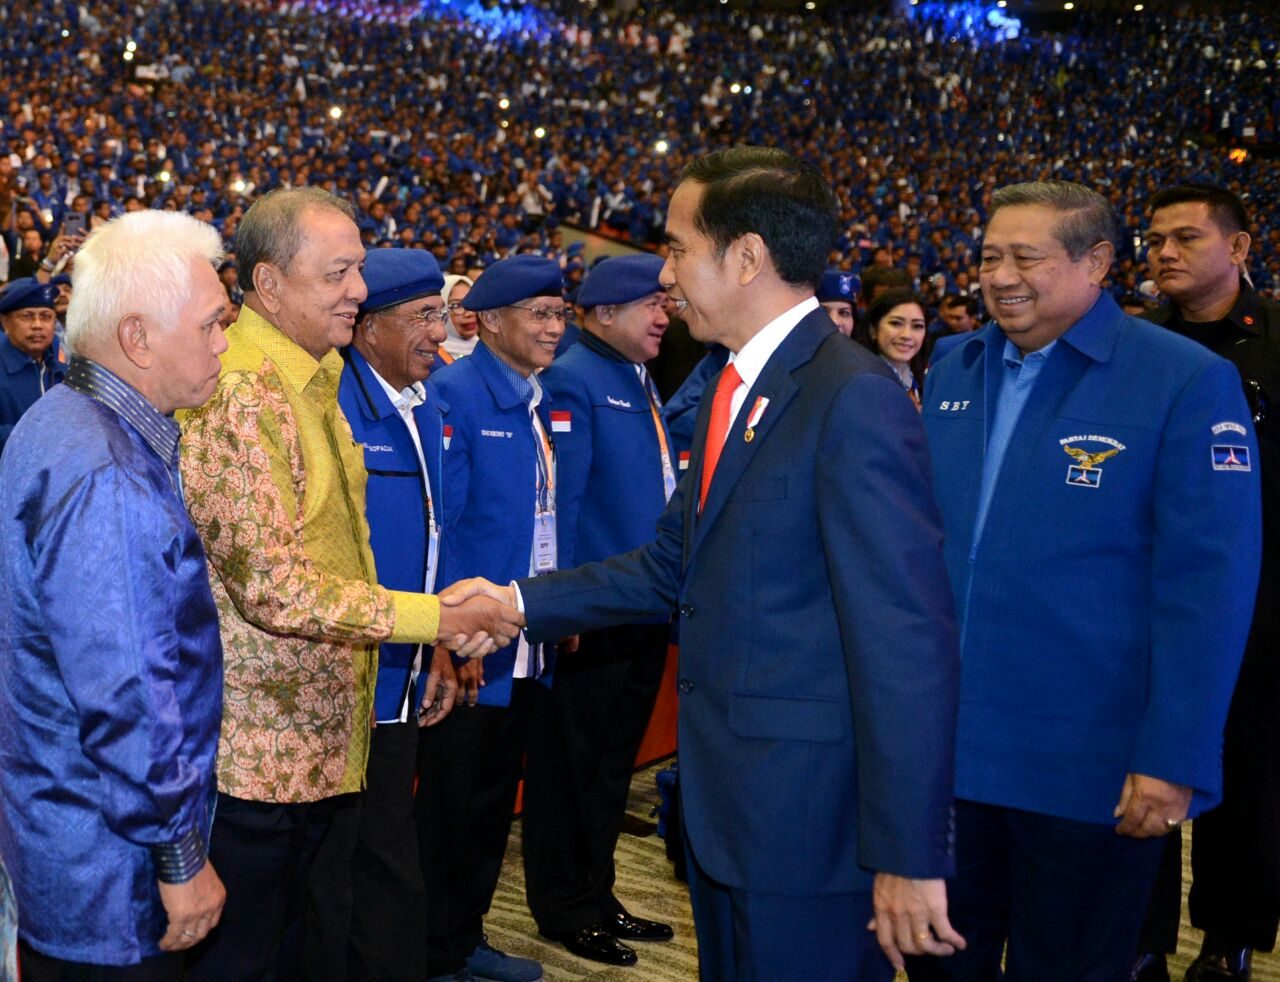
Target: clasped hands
x: 478, y: 617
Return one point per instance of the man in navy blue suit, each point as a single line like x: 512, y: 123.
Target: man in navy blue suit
x: 1098, y: 482
x: 802, y: 552
x: 397, y: 421
x: 616, y: 471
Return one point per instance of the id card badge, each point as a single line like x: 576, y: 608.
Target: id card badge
x: 433, y: 555
x: 544, y: 543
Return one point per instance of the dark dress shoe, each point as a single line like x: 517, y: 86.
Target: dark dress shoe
x: 1150, y: 968
x: 597, y: 944
x: 1213, y: 964
x: 623, y: 925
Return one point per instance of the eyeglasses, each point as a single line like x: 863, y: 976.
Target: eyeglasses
x: 438, y: 315
x: 42, y: 316
x: 544, y: 314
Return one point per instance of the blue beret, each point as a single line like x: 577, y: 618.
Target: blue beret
x: 396, y: 276
x: 621, y: 279
x: 837, y: 285
x: 511, y: 280
x: 27, y: 292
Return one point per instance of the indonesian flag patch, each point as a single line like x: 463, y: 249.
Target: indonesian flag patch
x: 684, y: 460
x: 561, y: 421
x: 448, y: 435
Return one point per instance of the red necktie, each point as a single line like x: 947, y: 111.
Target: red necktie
x: 718, y: 428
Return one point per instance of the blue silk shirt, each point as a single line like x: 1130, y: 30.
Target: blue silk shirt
x: 110, y: 672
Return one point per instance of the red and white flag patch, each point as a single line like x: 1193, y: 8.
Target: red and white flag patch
x: 448, y: 435
x: 684, y: 460
x: 561, y: 421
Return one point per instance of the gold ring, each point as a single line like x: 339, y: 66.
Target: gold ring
x: 923, y: 936
x: 1171, y: 824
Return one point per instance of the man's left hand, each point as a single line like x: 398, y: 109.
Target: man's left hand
x: 911, y: 918
x: 1150, y: 807
x: 193, y: 908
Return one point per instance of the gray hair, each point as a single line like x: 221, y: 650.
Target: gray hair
x: 270, y: 231
x: 139, y: 263
x: 1087, y: 218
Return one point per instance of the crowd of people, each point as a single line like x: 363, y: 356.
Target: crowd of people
x: 472, y: 136
x: 296, y: 349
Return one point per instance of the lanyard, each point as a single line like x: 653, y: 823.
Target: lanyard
x: 546, y: 476
x: 668, y: 472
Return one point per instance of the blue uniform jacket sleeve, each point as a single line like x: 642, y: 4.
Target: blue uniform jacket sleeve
x: 105, y: 567
x: 1206, y: 551
x: 882, y: 536
x: 681, y: 410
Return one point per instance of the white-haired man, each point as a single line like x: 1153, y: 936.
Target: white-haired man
x: 111, y: 685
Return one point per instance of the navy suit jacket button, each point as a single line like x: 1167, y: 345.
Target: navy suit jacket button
x: 686, y: 610
x: 685, y: 686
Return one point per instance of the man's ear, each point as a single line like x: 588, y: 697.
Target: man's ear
x: 1100, y: 258
x: 266, y: 283
x: 132, y: 335
x: 488, y: 320
x: 750, y: 257
x: 1240, y: 243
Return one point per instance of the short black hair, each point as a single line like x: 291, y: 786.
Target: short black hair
x: 1225, y: 208
x: 773, y: 194
x: 875, y: 276
x: 970, y: 304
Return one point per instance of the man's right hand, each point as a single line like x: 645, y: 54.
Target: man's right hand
x: 193, y: 907
x: 476, y: 606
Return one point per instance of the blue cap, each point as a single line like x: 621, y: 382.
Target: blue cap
x: 621, y: 279
x: 837, y: 285
x: 27, y: 292
x: 395, y: 276
x: 511, y: 280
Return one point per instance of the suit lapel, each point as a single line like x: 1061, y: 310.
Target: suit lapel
x: 775, y: 384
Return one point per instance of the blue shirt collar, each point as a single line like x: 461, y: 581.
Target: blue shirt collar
x: 159, y: 431
x: 527, y: 390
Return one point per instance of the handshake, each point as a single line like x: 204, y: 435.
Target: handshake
x: 478, y: 617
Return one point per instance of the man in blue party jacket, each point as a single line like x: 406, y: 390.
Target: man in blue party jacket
x: 1098, y: 480
x: 30, y: 355
x: 500, y: 523
x: 616, y: 470
x: 396, y: 419
x: 111, y: 681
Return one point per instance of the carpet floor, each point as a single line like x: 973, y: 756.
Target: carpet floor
x: 648, y: 888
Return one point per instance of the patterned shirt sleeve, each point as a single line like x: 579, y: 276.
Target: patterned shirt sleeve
x: 244, y: 481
